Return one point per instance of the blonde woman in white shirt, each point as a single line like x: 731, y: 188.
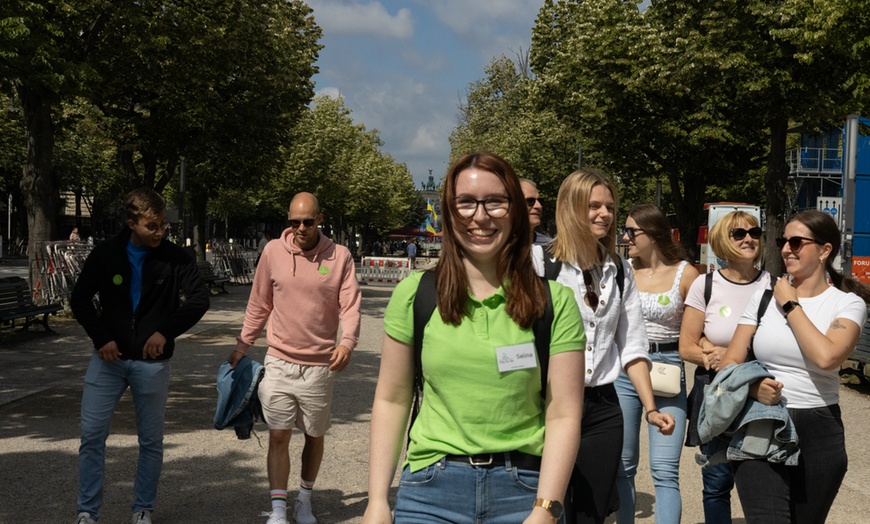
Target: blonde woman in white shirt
x: 584, y: 249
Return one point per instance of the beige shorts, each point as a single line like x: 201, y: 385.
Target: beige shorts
x: 296, y: 395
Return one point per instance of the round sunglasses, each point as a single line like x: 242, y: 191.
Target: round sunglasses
x: 740, y: 233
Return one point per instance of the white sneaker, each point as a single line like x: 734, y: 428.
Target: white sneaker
x: 85, y: 518
x: 274, y: 518
x: 142, y: 517
x: 302, y: 513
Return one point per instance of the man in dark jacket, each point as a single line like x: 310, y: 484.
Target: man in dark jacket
x: 150, y: 292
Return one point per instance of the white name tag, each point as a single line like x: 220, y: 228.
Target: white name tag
x: 512, y: 358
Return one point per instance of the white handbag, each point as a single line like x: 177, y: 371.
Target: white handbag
x: 665, y: 379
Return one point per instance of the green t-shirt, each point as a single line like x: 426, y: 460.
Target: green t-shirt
x: 469, y: 407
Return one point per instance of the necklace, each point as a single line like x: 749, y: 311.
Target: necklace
x: 650, y: 272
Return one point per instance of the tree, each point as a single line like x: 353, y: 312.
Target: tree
x: 43, y: 46
x: 702, y: 91
x: 218, y: 81
x: 361, y: 190
x: 645, y: 99
x: 503, y: 113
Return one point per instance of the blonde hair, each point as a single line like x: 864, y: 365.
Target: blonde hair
x: 575, y: 242
x: 719, y: 236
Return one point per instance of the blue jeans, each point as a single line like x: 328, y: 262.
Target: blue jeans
x: 718, y: 483
x: 459, y: 493
x: 664, y: 450
x: 105, y: 382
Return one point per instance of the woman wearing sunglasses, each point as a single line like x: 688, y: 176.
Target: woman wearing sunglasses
x: 616, y: 339
x: 807, y: 331
x: 484, y: 447
x: 708, y: 325
x: 663, y: 277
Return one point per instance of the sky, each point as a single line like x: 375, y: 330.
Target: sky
x: 404, y: 67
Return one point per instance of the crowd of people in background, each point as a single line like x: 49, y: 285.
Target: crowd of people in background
x: 522, y: 367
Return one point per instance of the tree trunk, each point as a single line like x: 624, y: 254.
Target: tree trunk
x: 199, y: 206
x: 38, y: 188
x: 776, y: 206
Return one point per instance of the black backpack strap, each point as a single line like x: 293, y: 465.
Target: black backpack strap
x: 762, y: 309
x: 552, y: 267
x: 424, y: 306
x: 620, y: 274
x: 708, y: 288
x: 542, y: 329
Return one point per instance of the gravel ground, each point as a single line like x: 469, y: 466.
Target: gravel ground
x: 210, y: 476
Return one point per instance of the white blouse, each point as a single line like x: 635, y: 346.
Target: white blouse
x: 615, y: 331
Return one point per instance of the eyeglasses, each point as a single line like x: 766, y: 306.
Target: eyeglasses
x: 494, y: 206
x: 591, y: 295
x: 739, y: 233
x: 309, y: 222
x: 531, y: 201
x: 795, y: 243
x: 632, y: 232
x: 153, y: 228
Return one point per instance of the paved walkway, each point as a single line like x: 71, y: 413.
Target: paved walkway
x: 211, y: 477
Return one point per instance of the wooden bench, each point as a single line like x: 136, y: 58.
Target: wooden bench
x: 16, y: 302
x: 214, y: 282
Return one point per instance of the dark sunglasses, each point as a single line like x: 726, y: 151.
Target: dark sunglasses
x: 632, y: 232
x: 309, y: 222
x: 795, y: 243
x: 591, y: 295
x: 531, y: 202
x: 739, y: 233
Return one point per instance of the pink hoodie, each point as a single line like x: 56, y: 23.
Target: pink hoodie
x: 305, y: 296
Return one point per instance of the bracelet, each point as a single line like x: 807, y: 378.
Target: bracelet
x: 648, y: 412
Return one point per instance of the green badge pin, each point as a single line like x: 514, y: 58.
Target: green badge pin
x: 664, y: 300
x: 117, y: 280
x: 724, y: 311
x: 323, y: 270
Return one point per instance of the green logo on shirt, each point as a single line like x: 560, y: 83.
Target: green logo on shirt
x: 724, y: 311
x: 117, y: 280
x: 323, y: 270
x: 664, y: 300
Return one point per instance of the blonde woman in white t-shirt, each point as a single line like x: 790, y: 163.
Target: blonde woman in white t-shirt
x: 806, y: 333
x: 708, y: 326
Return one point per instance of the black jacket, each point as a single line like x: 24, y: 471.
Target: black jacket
x: 173, y: 300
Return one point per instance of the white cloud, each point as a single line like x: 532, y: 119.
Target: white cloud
x: 369, y: 19
x: 331, y: 92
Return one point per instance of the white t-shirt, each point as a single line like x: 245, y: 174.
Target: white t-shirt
x: 805, y: 385
x: 727, y: 301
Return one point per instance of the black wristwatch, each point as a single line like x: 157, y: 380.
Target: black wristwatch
x: 553, y: 506
x: 788, y: 307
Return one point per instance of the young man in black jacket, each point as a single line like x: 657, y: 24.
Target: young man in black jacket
x: 150, y: 292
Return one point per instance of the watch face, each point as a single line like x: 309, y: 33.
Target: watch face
x: 555, y: 509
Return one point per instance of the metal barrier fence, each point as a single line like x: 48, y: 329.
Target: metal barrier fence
x: 58, y: 265
x: 384, y: 270
x: 233, y: 261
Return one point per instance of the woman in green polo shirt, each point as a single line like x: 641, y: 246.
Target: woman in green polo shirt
x: 477, y: 447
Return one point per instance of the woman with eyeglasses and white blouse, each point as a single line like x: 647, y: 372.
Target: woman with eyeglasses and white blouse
x: 708, y: 326
x: 807, y: 331
x: 585, y: 253
x: 663, y: 276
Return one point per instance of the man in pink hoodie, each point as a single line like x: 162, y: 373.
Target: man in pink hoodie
x: 306, y: 287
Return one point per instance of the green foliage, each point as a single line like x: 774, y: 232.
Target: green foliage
x: 503, y: 114
x: 359, y: 187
